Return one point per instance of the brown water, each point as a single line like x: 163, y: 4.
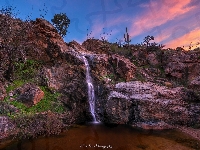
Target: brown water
x: 101, y: 137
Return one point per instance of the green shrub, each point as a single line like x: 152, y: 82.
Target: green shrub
x: 26, y: 70
x: 14, y: 85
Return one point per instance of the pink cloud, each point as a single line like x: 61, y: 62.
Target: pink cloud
x: 158, y: 14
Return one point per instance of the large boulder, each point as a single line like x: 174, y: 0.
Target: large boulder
x: 29, y: 94
x: 135, y: 102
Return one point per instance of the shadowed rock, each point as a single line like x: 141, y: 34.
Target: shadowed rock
x: 29, y: 94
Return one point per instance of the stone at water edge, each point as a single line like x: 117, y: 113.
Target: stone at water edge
x: 133, y: 102
x: 6, y: 127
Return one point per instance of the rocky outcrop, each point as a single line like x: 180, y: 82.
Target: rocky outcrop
x: 111, y: 68
x: 135, y: 102
x: 152, y: 59
x: 6, y: 127
x: 29, y: 94
x: 2, y: 92
x: 176, y: 66
x: 48, y: 44
x: 96, y: 46
x: 182, y: 64
x: 175, y: 69
x: 195, y: 83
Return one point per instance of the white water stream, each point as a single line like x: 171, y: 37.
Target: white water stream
x: 91, y: 94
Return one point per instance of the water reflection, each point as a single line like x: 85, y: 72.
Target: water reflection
x: 115, y: 137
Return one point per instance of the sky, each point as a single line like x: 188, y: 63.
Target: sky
x: 173, y: 23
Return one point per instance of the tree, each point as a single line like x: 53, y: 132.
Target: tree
x: 61, y: 23
x: 147, y: 39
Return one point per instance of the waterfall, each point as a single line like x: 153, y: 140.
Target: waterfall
x: 91, y: 94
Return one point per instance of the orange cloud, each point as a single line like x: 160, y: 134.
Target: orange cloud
x: 159, y: 14
x: 185, y: 40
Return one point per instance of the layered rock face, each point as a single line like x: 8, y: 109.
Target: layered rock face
x: 136, y: 102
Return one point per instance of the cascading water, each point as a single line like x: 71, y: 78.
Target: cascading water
x: 91, y: 95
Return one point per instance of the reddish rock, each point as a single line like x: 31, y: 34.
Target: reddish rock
x: 29, y: 94
x: 168, y: 84
x: 182, y: 65
x: 123, y: 67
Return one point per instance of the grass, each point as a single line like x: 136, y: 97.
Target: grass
x: 25, y: 72
x: 49, y: 102
x: 14, y: 85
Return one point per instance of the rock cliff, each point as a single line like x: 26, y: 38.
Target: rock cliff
x: 149, y: 88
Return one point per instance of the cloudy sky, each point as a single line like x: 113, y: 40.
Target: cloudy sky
x: 172, y: 22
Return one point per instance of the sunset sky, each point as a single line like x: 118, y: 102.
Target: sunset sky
x: 172, y: 22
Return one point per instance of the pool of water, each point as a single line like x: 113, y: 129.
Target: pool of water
x: 113, y: 137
